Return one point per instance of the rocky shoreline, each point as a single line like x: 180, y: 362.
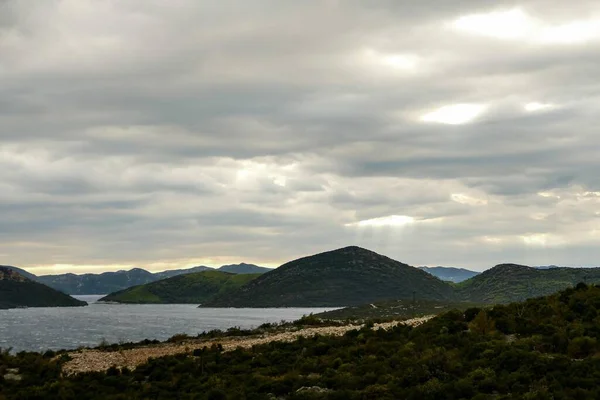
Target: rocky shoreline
x: 96, y: 360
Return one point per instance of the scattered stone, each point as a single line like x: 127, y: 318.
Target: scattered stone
x: 12, y: 375
x: 95, y: 360
x: 313, y: 389
x: 511, y: 338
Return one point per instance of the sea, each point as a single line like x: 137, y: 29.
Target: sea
x: 41, y: 329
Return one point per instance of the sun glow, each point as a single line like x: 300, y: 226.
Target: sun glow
x: 455, y: 114
x: 542, y: 240
x: 391, y: 220
x: 516, y: 24
x: 400, y: 61
x: 571, y: 33
x: 535, y: 106
x: 251, y: 173
x: 468, y: 200
x: 511, y: 24
x: 391, y: 61
x: 492, y: 239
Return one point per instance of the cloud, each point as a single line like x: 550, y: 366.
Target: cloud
x: 134, y: 134
x: 516, y: 24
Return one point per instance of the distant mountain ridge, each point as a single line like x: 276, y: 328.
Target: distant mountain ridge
x: 451, y: 274
x: 195, y: 288
x: 109, y: 282
x: 244, y: 268
x: 105, y: 282
x: 343, y: 277
x: 17, y: 291
x: 175, y: 272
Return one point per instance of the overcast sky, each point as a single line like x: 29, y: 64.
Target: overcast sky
x: 457, y: 133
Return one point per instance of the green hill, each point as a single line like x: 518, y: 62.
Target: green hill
x: 18, y: 291
x: 344, y: 277
x: 510, y: 282
x: 193, y: 288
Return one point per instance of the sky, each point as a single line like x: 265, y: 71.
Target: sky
x: 456, y: 133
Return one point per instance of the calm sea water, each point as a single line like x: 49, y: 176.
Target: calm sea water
x: 39, y: 329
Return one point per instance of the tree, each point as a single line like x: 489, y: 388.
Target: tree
x: 482, y: 324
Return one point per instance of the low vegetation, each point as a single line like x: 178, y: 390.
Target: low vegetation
x: 543, y: 348
x: 395, y: 309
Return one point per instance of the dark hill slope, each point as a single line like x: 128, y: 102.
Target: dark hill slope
x: 188, y: 288
x: 21, y: 272
x: 506, y: 283
x: 344, y: 277
x: 18, y: 291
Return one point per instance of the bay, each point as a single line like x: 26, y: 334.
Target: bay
x: 40, y: 329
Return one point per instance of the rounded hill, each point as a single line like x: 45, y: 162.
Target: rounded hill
x: 343, y: 277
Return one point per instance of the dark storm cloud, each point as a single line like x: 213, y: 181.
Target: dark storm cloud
x: 132, y: 133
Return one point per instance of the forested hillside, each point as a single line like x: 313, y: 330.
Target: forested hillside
x: 194, y: 288
x: 510, y: 282
x: 343, y: 277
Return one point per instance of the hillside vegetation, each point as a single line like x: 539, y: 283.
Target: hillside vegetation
x: 21, y: 272
x: 510, y: 282
x: 18, y: 291
x: 395, y: 310
x: 344, y: 277
x: 353, y: 276
x: 544, y: 348
x: 194, y: 288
